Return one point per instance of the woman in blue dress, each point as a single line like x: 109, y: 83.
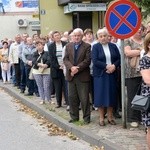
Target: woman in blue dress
x: 106, y: 60
x: 145, y: 88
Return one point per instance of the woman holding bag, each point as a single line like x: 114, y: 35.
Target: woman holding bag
x: 145, y: 87
x: 41, y: 71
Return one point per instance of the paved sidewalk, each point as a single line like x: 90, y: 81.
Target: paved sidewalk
x: 111, y: 137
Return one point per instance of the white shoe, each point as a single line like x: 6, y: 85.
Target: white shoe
x: 42, y: 102
x: 134, y: 124
x: 52, y: 102
x: 68, y: 107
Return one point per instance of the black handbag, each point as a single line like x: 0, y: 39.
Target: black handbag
x: 140, y: 102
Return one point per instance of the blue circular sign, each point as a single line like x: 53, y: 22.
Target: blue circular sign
x: 123, y: 19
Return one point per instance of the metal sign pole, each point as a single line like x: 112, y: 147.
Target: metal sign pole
x: 124, y: 109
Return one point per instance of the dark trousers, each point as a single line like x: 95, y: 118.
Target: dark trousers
x: 52, y: 87
x: 31, y: 84
x: 132, y: 87
x: 17, y: 74
x: 119, y: 103
x: 66, y: 92
x: 91, y: 90
x: 78, y: 92
x: 23, y: 76
x: 59, y: 86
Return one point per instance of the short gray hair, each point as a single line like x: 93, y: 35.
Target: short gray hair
x: 102, y: 31
x: 78, y: 30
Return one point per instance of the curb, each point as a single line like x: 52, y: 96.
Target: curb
x: 81, y: 133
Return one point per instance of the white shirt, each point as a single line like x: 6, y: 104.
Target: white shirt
x: 107, y: 54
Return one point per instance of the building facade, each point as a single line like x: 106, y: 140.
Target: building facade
x: 64, y: 15
x: 19, y: 17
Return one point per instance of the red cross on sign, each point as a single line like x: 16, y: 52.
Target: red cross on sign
x: 123, y: 19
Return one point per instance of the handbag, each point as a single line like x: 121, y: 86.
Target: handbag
x: 31, y: 76
x: 141, y: 103
x: 41, y: 69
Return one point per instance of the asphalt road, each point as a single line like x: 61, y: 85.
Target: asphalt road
x: 19, y: 131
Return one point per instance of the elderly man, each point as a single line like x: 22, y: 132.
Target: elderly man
x: 77, y: 61
x: 14, y: 59
x: 27, y: 57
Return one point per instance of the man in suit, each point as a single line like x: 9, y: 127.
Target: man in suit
x: 77, y: 61
x: 55, y: 52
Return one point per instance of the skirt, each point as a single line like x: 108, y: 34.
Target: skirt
x: 105, y: 90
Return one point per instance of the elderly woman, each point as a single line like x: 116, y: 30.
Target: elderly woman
x: 106, y: 58
x: 145, y: 88
x: 41, y: 71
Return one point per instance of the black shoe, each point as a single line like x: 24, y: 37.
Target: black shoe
x: 58, y: 106
x: 64, y: 103
x: 18, y: 87
x: 22, y: 91
x: 117, y: 115
x: 37, y: 94
x: 28, y: 94
x: 86, y: 122
x: 52, y: 96
x: 73, y: 120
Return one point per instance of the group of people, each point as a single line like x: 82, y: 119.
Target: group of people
x: 84, y: 67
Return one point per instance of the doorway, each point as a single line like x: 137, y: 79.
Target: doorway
x: 82, y: 20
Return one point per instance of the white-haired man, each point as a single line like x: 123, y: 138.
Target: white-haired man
x: 77, y: 61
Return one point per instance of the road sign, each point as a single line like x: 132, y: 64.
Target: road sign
x: 123, y: 19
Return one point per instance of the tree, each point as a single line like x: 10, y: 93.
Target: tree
x: 144, y: 4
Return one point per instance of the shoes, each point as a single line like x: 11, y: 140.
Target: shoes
x: 58, y: 106
x: 37, y: 94
x: 42, y: 102
x: 52, y: 96
x: 28, y: 94
x: 134, y: 124
x: 112, y: 122
x: 22, y: 91
x: 86, y: 122
x: 68, y: 107
x: 18, y: 87
x: 117, y: 115
x: 102, y: 123
x: 73, y: 120
x: 52, y: 102
x: 64, y: 103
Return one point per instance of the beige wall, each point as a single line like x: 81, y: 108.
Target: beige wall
x: 9, y: 27
x: 54, y: 19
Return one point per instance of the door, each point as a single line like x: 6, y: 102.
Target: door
x: 82, y: 20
